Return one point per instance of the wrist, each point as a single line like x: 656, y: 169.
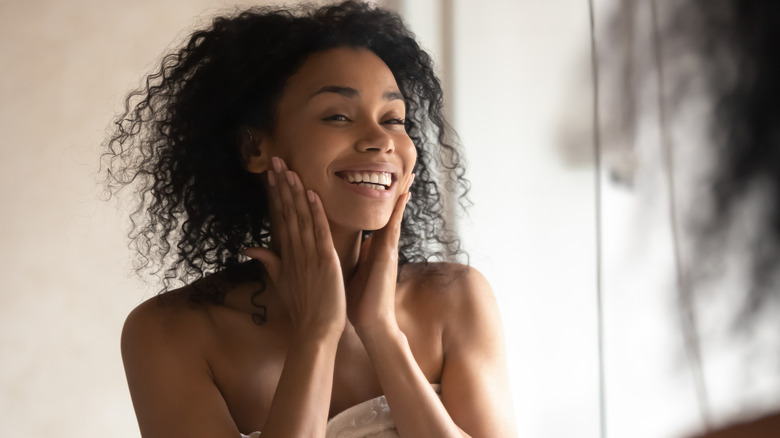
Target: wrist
x: 318, y: 334
x: 380, y: 333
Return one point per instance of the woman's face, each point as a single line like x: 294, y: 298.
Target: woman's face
x: 340, y: 126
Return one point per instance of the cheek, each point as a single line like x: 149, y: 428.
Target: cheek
x: 297, y: 150
x: 294, y: 139
x: 311, y: 165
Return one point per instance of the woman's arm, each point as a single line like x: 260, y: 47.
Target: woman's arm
x: 475, y: 378
x: 174, y: 393
x: 475, y: 399
x: 302, y: 399
x: 475, y: 390
x: 417, y: 410
x: 170, y: 383
x: 307, y: 276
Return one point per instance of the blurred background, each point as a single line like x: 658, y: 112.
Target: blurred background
x: 519, y: 85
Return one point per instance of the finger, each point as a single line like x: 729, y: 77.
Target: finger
x: 323, y: 238
x: 390, y: 234
x: 291, y: 243
x: 306, y: 240
x: 280, y: 165
x: 400, y: 206
x: 274, y: 180
x: 268, y: 259
x: 398, y: 215
x: 365, y: 248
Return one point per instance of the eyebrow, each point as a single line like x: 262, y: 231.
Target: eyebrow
x: 351, y: 92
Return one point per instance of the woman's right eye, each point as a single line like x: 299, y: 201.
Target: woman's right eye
x: 337, y: 118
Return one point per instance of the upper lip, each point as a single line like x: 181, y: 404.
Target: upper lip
x: 371, y: 167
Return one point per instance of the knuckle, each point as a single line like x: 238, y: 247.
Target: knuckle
x: 288, y: 211
x: 304, y: 221
x: 389, y: 253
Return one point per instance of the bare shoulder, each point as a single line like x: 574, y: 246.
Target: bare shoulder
x: 167, y: 324
x: 456, y: 295
x: 474, y: 376
x: 441, y: 277
x: 178, y: 322
x: 164, y: 345
x: 160, y: 311
x: 449, y: 284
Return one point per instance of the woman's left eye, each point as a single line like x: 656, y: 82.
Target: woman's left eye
x: 337, y: 118
x: 394, y: 121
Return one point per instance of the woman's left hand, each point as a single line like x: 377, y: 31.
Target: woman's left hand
x: 371, y: 291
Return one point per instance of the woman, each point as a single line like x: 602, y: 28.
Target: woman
x: 293, y: 137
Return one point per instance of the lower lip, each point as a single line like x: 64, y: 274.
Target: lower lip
x: 371, y: 193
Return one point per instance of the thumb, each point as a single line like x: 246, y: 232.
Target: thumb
x: 268, y: 258
x: 365, y: 247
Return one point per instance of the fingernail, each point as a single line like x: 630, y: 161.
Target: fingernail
x: 277, y: 164
x: 290, y: 178
x: 310, y: 195
x: 408, y: 196
x: 271, y: 179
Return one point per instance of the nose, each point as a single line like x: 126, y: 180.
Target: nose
x: 374, y: 138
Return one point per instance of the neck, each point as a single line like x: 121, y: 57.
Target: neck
x: 347, y: 244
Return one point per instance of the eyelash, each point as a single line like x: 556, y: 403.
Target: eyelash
x: 337, y: 118
x: 396, y: 121
x: 343, y: 118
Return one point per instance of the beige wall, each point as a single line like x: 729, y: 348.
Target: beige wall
x: 66, y: 284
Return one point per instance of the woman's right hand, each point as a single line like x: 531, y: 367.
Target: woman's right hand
x: 306, y: 272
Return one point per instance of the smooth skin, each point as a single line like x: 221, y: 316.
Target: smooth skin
x: 342, y: 326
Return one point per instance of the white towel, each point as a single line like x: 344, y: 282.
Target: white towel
x: 370, y: 419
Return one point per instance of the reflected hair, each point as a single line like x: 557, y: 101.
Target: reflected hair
x: 728, y: 49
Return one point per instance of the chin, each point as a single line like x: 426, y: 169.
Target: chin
x: 374, y: 224
x: 370, y: 222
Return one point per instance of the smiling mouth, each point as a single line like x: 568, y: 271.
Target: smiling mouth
x: 368, y: 178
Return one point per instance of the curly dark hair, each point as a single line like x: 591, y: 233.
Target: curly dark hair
x: 177, y: 140
x: 729, y: 48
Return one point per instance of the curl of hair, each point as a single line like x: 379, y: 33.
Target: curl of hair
x: 177, y: 140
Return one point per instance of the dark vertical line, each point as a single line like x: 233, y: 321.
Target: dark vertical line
x: 685, y: 297
x: 597, y: 194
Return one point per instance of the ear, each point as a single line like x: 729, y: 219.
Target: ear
x: 254, y: 147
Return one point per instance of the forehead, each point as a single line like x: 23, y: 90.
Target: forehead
x: 361, y: 69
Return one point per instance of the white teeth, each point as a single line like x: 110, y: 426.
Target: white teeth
x: 383, y: 178
x: 372, y: 186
